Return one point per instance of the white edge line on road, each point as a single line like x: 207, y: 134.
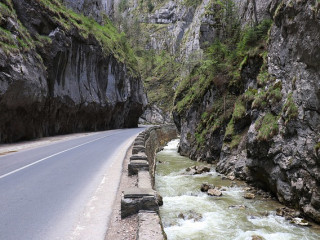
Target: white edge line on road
x: 43, y: 159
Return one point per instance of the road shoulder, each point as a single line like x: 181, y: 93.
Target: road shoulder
x: 123, y: 229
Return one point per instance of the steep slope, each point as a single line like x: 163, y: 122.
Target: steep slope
x: 253, y: 104
x: 167, y: 35
x: 63, y: 72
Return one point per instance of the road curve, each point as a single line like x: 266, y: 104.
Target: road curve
x: 57, y: 191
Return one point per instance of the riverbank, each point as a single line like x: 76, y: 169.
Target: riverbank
x: 188, y: 213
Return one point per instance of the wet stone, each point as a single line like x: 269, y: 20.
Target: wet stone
x: 205, y: 187
x: 300, y: 222
x: 256, y: 237
x: 194, y: 170
x: 214, y: 192
x: 249, y: 196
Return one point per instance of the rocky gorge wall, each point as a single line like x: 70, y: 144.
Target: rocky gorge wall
x: 61, y: 72
x: 170, y: 35
x: 265, y: 130
x: 92, y: 8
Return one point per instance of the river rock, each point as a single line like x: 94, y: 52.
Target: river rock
x: 300, y: 222
x: 214, y: 192
x: 205, y: 187
x: 190, y: 215
x: 240, y: 207
x: 231, y: 177
x: 194, y: 170
x: 288, y: 213
x: 249, y: 196
x: 256, y: 237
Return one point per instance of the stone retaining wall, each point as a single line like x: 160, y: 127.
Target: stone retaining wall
x: 143, y: 199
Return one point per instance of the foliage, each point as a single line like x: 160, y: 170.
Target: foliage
x: 190, y: 3
x: 17, y: 39
x: 270, y: 96
x: 235, y: 141
x: 111, y: 41
x: 222, y: 64
x: 123, y: 5
x: 317, y: 147
x: 215, y: 118
x: 239, y: 110
x: 150, y: 6
x: 290, y: 109
x: 159, y: 72
x: 253, y: 35
x: 238, y: 113
x: 220, y: 71
x: 267, y: 127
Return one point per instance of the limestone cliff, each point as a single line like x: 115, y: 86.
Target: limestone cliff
x: 62, y: 72
x: 254, y: 107
x: 92, y: 8
x: 169, y: 37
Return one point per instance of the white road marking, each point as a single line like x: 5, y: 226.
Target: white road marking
x: 94, y: 221
x: 43, y: 159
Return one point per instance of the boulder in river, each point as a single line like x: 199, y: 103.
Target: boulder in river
x: 190, y: 215
x: 249, y: 196
x: 214, y: 192
x: 206, y: 186
x: 194, y: 170
x: 256, y: 237
x: 300, y: 222
x: 240, y: 207
x: 288, y: 213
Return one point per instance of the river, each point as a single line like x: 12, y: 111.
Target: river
x: 188, y: 213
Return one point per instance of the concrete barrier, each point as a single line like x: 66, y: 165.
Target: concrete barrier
x: 144, y: 200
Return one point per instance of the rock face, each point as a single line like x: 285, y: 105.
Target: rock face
x: 175, y: 26
x: 64, y: 81
x: 179, y: 28
x: 155, y: 115
x: 278, y: 137
x: 289, y: 160
x: 92, y: 8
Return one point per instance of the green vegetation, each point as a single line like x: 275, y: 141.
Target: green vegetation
x: 191, y: 2
x: 270, y: 96
x: 317, y: 147
x: 267, y: 127
x: 111, y: 41
x: 150, y: 6
x: 123, y: 5
x: 290, y: 109
x: 238, y: 113
x: 17, y: 40
x: 222, y: 64
x: 220, y: 70
x: 215, y: 118
x: 235, y: 141
x: 250, y: 94
x: 160, y: 73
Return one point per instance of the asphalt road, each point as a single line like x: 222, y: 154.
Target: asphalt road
x: 53, y: 191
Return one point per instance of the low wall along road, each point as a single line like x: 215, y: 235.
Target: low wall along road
x: 143, y: 199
